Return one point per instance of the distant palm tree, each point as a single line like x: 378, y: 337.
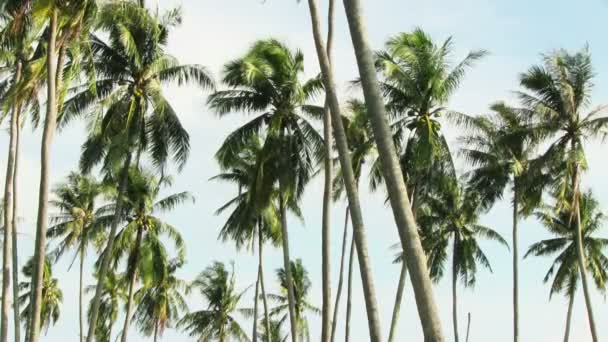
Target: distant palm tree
x: 79, y: 223
x: 114, y: 293
x: 301, y: 285
x: 216, y: 322
x: 564, y: 269
x: 275, y: 332
x: 556, y: 93
x: 160, y: 304
x: 267, y: 80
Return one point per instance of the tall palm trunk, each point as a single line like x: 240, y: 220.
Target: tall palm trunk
x: 8, y: 215
x: 105, y: 261
x: 454, y: 289
x: 569, y: 317
x: 81, y: 294
x: 261, y: 272
x: 334, y: 322
x: 156, y: 331
x: 360, y: 237
x: 16, y: 309
x: 134, y: 260
x: 393, y: 176
x: 515, y: 269
x: 398, y: 300
x: 50, y: 122
x: 349, y: 294
x: 287, y: 265
x: 326, y: 225
x: 254, y: 332
x: 580, y: 251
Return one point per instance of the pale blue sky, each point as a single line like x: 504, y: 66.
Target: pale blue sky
x: 514, y: 32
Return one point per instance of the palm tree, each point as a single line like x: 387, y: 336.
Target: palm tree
x: 114, y: 292
x: 78, y: 224
x: 52, y: 296
x: 453, y: 215
x: 267, y: 80
x: 141, y: 241
x: 215, y: 323
x: 130, y: 114
x: 301, y: 286
x: 563, y: 273
x: 275, y: 334
x: 501, y: 150
x: 160, y: 304
x: 557, y: 93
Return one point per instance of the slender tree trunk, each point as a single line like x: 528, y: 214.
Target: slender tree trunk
x: 468, y: 326
x: 398, y: 300
x: 81, y: 294
x: 261, y: 272
x: 580, y: 251
x: 105, y: 261
x: 50, y: 122
x: 360, y: 237
x: 569, y: 318
x: 254, y: 332
x: 132, y: 283
x: 156, y: 332
x: 393, y: 176
x: 16, y: 310
x: 454, y: 289
x: 334, y: 322
x: 515, y: 269
x: 287, y: 265
x: 349, y: 294
x: 8, y: 215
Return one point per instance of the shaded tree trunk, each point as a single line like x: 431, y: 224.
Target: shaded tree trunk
x: 156, y: 331
x: 515, y: 270
x: 81, y: 294
x: 334, y: 322
x: 468, y: 327
x: 569, y: 317
x: 287, y: 265
x: 398, y: 300
x: 134, y: 260
x: 454, y: 290
x: 105, y: 261
x: 349, y: 295
x: 359, y: 234
x: 16, y: 309
x: 261, y: 272
x: 254, y: 332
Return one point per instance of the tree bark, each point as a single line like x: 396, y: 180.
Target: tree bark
x: 327, y: 192
x: 334, y: 322
x: 261, y: 272
x: 569, y: 317
x: 254, y: 333
x: 54, y: 63
x: 468, y: 327
x: 287, y: 266
x: 515, y: 269
x: 156, y: 331
x: 81, y: 294
x: 16, y: 309
x: 359, y: 234
x: 454, y: 289
x: 132, y: 283
x: 9, y: 214
x: 398, y: 300
x: 105, y: 261
x: 349, y: 295
x: 393, y: 176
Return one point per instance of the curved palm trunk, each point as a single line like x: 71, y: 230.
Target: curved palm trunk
x: 132, y: 283
x: 515, y: 270
x: 81, y: 295
x: 350, y: 183
x: 349, y: 295
x: 54, y: 66
x: 261, y: 272
x: 569, y: 317
x: 398, y: 300
x: 105, y: 262
x: 16, y: 309
x: 286, y: 264
x: 8, y: 217
x: 334, y: 322
x: 254, y: 333
x: 468, y: 326
x: 393, y: 176
x: 454, y: 290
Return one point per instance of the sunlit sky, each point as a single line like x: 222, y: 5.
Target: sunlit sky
x: 515, y: 33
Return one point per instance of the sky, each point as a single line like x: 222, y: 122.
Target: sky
x: 515, y: 33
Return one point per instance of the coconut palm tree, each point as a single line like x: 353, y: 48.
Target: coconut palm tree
x: 114, y: 293
x: 301, y: 288
x: 216, y: 322
x: 275, y: 334
x: 141, y: 240
x: 160, y: 304
x: 129, y: 113
x: 52, y: 296
x: 557, y: 93
x: 563, y: 273
x: 501, y: 150
x: 78, y: 224
x: 267, y: 80
x: 452, y: 217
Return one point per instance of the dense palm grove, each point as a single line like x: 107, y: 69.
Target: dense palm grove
x: 106, y: 63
